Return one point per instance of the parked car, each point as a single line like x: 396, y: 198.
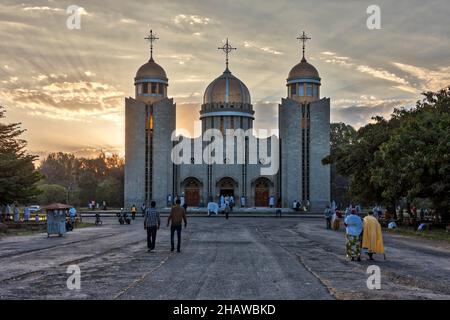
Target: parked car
x: 34, y: 208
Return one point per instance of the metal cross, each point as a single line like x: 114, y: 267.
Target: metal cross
x: 227, y: 48
x: 151, y: 38
x: 303, y: 38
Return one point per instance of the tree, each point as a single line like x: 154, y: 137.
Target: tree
x: 407, y: 156
x: 52, y: 193
x: 86, y: 177
x: 341, y: 135
x: 18, y: 175
x: 415, y: 162
x: 60, y: 168
x: 109, y: 190
x: 355, y: 158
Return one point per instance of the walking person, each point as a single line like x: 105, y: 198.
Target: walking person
x: 354, y: 226
x: 7, y: 212
x: 227, y: 210
x: 143, y: 209
x: 16, y: 216
x: 328, y: 215
x: 26, y: 214
x: 152, y: 223
x: 133, y: 211
x: 271, y: 201
x: 175, y: 220
x: 372, y: 237
x: 336, y: 220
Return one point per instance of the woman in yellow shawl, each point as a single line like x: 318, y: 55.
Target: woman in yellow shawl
x: 372, y: 241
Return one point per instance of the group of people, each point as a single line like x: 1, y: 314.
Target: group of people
x: 12, y: 214
x: 301, y: 205
x: 362, y: 235
x: 152, y: 223
x: 92, y: 205
x: 171, y: 201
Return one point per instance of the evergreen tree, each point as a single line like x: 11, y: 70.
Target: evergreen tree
x: 18, y: 175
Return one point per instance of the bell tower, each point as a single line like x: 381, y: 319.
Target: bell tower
x: 304, y: 127
x: 149, y: 122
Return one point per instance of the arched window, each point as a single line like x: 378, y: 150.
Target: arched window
x: 315, y: 91
x: 309, y: 90
x: 301, y: 90
x: 293, y: 89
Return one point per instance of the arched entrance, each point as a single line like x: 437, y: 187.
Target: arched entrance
x: 262, y: 190
x: 226, y: 187
x: 192, y: 192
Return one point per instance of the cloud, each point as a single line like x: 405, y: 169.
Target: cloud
x: 42, y: 9
x: 248, y: 44
x: 382, y: 74
x: 40, y: 51
x: 427, y: 79
x: 191, y: 20
x: 359, y: 112
x: 128, y: 21
x: 379, y: 73
x: 53, y: 98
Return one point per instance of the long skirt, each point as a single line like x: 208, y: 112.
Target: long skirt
x: 336, y: 224
x: 353, y: 246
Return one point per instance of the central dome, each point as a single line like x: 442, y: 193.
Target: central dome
x: 303, y: 70
x: 151, y: 70
x: 227, y: 89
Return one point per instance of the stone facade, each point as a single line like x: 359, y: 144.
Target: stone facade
x: 304, y: 132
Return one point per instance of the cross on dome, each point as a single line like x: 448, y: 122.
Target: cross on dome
x: 227, y: 48
x: 151, y: 38
x: 303, y: 38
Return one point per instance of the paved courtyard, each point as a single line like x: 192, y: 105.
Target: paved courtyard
x: 242, y: 258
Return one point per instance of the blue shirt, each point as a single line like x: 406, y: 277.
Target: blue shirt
x: 354, y: 225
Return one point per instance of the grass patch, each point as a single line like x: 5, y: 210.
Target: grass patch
x: 433, y: 234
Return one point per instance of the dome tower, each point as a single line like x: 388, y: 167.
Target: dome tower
x: 303, y: 82
x: 151, y: 80
x: 150, y: 119
x: 226, y: 102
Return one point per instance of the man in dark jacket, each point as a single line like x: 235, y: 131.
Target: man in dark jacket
x: 177, y: 216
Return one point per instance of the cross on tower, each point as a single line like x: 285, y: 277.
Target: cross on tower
x: 227, y: 48
x: 303, y: 38
x: 151, y: 38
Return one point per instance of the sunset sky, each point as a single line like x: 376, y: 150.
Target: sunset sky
x: 67, y: 87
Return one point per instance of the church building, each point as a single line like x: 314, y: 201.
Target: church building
x: 303, y: 141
